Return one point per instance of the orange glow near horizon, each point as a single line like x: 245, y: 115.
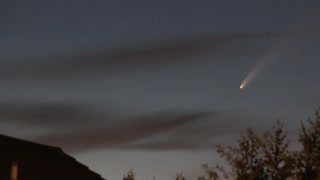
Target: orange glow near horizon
x: 14, y: 171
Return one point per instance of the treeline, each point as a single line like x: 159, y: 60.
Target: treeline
x: 267, y: 156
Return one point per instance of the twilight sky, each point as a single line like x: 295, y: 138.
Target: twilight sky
x: 154, y: 85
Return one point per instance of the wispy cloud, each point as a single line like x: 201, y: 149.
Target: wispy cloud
x: 62, y: 114
x: 202, y: 136
x: 82, y: 127
x: 122, y: 132
x: 172, y: 130
x: 145, y: 54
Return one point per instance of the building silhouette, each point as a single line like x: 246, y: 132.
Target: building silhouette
x: 24, y: 160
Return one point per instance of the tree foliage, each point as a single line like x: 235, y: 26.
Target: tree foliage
x: 267, y: 156
x: 180, y: 177
x: 129, y: 176
x: 309, y: 157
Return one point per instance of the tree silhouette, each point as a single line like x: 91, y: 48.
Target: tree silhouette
x: 210, y: 172
x: 309, y: 157
x: 180, y: 177
x: 278, y: 161
x: 267, y: 156
x: 129, y: 176
x: 245, y: 159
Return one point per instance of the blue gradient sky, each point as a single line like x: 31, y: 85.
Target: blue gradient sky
x: 154, y: 85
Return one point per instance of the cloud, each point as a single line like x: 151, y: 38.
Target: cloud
x: 170, y: 130
x: 50, y: 114
x: 219, y: 129
x: 120, y: 133
x: 170, y: 49
x: 83, y: 127
x: 150, y: 53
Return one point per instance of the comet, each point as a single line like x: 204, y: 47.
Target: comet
x: 288, y: 47
x: 258, y: 68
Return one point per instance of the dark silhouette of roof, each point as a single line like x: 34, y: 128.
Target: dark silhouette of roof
x: 40, y: 162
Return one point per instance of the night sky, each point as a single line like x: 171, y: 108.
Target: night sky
x: 154, y: 85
